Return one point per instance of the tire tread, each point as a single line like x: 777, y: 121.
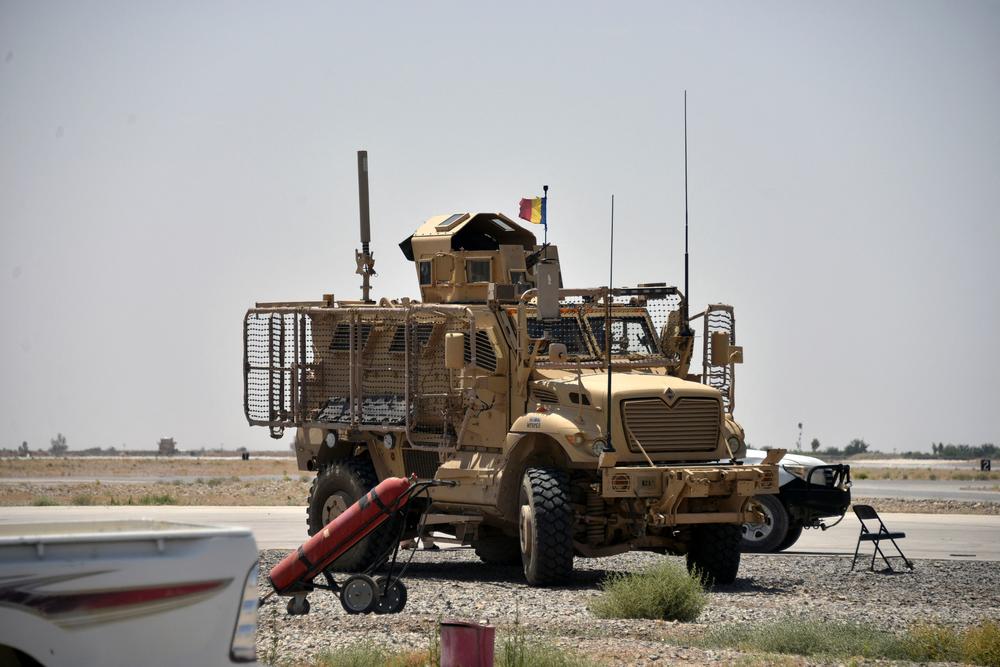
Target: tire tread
x: 553, y: 521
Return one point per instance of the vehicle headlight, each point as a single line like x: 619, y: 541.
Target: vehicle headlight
x: 734, y: 444
x: 800, y: 471
x: 598, y: 447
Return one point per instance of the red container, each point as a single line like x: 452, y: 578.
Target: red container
x: 346, y: 530
x: 466, y: 644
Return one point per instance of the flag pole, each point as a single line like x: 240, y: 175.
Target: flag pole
x: 545, y: 213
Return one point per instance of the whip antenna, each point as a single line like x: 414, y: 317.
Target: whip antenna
x: 687, y: 296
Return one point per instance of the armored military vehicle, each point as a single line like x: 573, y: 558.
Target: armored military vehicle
x: 568, y: 418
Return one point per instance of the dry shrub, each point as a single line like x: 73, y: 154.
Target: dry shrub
x: 665, y: 591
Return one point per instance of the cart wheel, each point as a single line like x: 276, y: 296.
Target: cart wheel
x: 298, y: 606
x: 358, y: 595
x: 392, y: 600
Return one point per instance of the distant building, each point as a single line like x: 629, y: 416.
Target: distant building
x: 167, y: 447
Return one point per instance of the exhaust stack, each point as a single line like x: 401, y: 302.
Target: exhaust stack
x: 364, y: 258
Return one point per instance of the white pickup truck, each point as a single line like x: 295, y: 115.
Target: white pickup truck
x: 133, y: 592
x: 809, y: 491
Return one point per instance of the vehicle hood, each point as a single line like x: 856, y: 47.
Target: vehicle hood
x: 757, y: 455
x: 625, y: 385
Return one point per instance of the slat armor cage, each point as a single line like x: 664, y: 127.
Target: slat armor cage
x: 719, y: 318
x: 378, y: 368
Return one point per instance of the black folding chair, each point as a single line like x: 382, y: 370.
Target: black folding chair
x: 868, y: 513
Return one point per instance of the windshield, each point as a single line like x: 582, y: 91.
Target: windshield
x: 629, y: 335
x: 581, y: 330
x: 567, y: 330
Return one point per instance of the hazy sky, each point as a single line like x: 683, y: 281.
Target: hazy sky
x: 163, y: 165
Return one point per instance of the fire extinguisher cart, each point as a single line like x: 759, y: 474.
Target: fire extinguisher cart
x: 359, y: 593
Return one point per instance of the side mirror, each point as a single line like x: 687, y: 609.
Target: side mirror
x: 720, y: 348
x: 547, y: 281
x: 557, y: 352
x: 723, y: 353
x: 454, y: 351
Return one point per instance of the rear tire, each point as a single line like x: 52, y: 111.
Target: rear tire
x: 545, y: 526
x: 495, y: 548
x: 766, y: 536
x: 715, y: 553
x: 337, y: 487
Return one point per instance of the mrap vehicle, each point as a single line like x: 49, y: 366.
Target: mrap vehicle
x: 568, y: 419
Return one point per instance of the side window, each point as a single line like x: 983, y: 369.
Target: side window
x: 424, y: 269
x: 477, y: 270
x: 518, y: 277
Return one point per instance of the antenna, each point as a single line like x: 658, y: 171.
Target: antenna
x: 607, y: 321
x: 687, y: 296
x: 365, y: 259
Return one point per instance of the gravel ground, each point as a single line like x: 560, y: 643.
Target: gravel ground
x: 455, y: 584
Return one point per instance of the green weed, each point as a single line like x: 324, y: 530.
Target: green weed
x: 978, y: 645
x: 157, y: 499
x: 665, y: 591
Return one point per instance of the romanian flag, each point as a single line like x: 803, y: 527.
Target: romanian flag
x: 533, y: 210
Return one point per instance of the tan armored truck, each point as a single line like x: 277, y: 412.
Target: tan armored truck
x: 499, y: 379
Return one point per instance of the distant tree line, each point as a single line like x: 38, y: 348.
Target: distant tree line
x: 939, y: 450
x: 942, y: 451
x: 854, y: 447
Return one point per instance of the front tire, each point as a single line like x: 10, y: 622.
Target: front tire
x: 545, y: 526
x: 791, y: 537
x: 337, y: 487
x: 768, y: 535
x: 715, y: 553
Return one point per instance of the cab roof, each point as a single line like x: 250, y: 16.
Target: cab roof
x: 466, y: 231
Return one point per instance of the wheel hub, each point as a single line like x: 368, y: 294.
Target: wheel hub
x: 359, y: 594
x: 334, y: 506
x: 756, y: 532
x: 526, y: 530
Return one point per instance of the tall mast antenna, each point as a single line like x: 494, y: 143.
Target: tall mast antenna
x: 365, y: 259
x: 607, y: 322
x: 687, y: 296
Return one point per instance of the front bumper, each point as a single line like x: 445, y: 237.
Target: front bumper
x: 826, y: 494
x: 678, y: 495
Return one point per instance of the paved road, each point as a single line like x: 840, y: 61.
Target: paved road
x: 929, y: 535
x: 920, y: 489
x: 972, y: 536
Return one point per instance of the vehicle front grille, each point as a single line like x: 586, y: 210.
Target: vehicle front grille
x: 690, y: 425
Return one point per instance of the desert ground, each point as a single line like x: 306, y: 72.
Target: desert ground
x: 452, y: 582
x: 276, y: 480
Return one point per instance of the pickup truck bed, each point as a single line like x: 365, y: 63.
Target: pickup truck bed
x: 126, y: 593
